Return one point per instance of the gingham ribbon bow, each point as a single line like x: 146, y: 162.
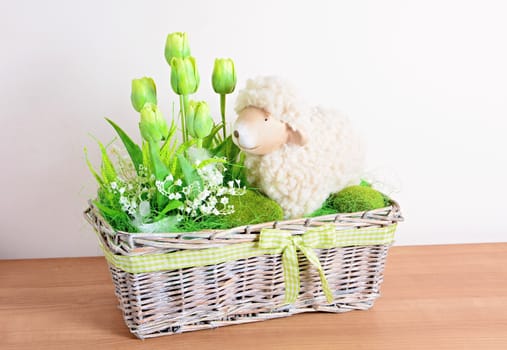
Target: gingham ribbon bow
x: 319, y: 237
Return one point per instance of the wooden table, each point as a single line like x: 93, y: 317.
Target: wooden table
x: 433, y: 297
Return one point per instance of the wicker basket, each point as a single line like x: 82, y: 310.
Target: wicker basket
x: 247, y: 289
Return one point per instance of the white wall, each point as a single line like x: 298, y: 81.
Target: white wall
x: 424, y: 81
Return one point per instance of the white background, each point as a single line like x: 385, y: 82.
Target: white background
x: 425, y: 82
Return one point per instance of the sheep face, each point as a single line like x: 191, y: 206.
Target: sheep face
x: 257, y: 132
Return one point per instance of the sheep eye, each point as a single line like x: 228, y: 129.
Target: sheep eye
x: 265, y: 119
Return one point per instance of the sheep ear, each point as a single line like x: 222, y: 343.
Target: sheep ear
x: 295, y: 136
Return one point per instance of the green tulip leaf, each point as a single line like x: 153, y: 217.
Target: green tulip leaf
x: 174, y: 204
x: 180, y: 151
x: 133, y: 149
x: 158, y: 167
x: 209, y: 161
x: 190, y: 175
x: 208, y: 141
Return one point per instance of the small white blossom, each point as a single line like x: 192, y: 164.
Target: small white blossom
x: 224, y: 200
x: 178, y: 182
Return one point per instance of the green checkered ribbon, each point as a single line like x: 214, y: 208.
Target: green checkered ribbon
x: 319, y: 237
x: 271, y: 242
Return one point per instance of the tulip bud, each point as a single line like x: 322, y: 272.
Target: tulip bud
x: 184, y: 75
x: 224, y: 76
x: 152, y: 125
x: 203, y: 123
x: 176, y: 45
x: 143, y: 91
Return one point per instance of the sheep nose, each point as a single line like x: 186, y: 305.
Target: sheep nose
x: 236, y: 133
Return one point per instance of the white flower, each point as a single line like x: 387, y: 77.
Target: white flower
x: 122, y: 190
x: 114, y: 185
x: 230, y: 183
x: 224, y: 200
x: 204, y: 194
x: 216, y: 212
x: 177, y: 195
x: 212, y: 201
x: 178, y: 182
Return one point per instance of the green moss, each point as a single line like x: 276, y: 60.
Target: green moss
x: 252, y: 208
x: 357, y: 198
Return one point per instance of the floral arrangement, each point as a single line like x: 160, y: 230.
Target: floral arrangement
x: 198, y: 180
x: 166, y: 184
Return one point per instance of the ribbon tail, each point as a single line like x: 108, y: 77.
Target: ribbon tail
x: 291, y: 273
x: 314, y: 260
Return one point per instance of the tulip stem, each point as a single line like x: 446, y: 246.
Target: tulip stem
x: 222, y: 111
x: 182, y: 113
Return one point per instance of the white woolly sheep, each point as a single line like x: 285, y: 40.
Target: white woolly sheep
x: 296, y: 154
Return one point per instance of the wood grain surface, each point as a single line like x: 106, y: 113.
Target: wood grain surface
x: 433, y: 297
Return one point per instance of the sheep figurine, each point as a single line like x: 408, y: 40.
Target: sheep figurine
x: 296, y: 154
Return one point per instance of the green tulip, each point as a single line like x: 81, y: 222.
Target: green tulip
x: 224, y: 76
x: 203, y: 123
x: 184, y: 75
x: 176, y: 45
x: 143, y: 91
x: 153, y: 126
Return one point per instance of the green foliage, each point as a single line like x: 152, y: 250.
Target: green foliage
x: 167, y: 185
x: 133, y: 149
x: 107, y: 168
x: 159, y: 169
x: 108, y: 204
x: 190, y: 176
x: 213, y: 138
x: 92, y: 170
x: 235, y: 159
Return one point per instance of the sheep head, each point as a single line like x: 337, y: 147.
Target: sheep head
x: 257, y: 132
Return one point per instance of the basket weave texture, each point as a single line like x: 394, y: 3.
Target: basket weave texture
x: 165, y: 301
